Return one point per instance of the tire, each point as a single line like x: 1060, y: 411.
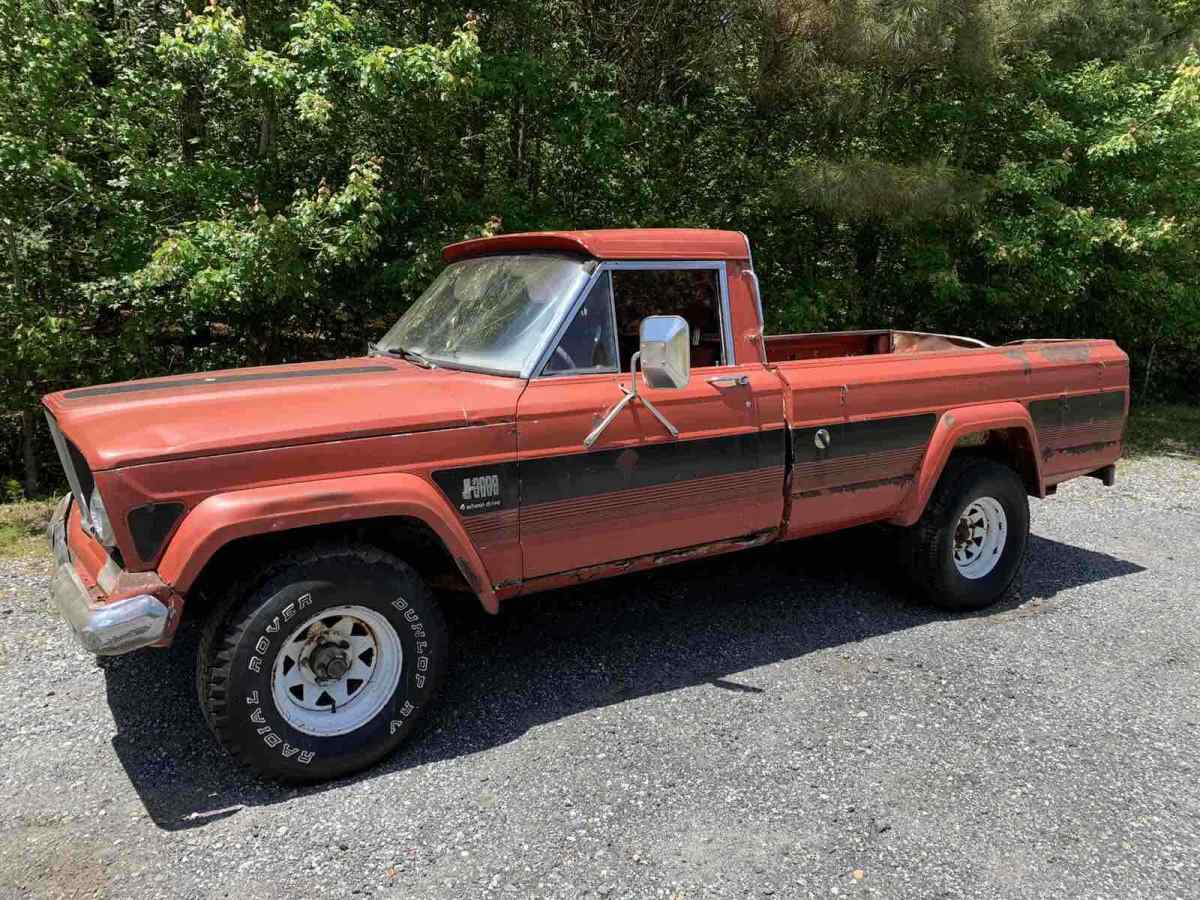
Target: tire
x: 967, y: 549
x: 333, y: 626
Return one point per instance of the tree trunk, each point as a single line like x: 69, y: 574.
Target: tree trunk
x: 868, y: 240
x: 191, y: 113
x: 191, y: 123
x: 535, y: 169
x: 476, y: 136
x: 29, y: 453
x: 1149, y: 370
x: 266, y: 148
x: 516, y: 139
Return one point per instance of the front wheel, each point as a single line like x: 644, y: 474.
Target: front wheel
x: 968, y: 547
x: 324, y: 665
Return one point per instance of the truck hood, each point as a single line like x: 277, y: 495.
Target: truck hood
x: 227, y: 411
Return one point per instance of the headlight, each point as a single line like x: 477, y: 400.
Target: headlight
x: 101, y: 527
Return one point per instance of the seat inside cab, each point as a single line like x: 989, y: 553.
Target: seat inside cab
x: 691, y: 293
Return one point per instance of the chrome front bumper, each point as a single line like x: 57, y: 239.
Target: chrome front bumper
x: 106, y: 629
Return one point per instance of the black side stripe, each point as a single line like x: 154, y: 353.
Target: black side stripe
x: 473, y: 491
x: 601, y: 472
x: 843, y: 439
x: 138, y: 387
x: 1060, y: 411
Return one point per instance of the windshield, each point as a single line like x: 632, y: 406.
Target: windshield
x: 490, y: 313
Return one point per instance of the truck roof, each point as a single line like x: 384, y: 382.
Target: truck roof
x: 613, y: 243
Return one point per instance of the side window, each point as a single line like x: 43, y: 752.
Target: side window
x: 694, y: 294
x: 589, y: 345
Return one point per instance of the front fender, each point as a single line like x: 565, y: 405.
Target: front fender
x: 222, y: 518
x: 956, y: 424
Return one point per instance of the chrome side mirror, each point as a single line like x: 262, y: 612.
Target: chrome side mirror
x: 666, y: 351
x: 665, y: 356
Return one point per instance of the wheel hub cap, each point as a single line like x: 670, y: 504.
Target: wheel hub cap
x: 980, y: 537
x: 336, y: 670
x: 328, y: 662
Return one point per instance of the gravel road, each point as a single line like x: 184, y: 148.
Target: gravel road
x: 777, y: 723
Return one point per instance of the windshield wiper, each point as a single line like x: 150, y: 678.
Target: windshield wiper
x: 401, y: 353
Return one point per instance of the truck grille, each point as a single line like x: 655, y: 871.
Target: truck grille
x: 79, y: 476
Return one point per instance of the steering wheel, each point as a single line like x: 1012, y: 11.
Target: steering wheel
x: 562, y: 354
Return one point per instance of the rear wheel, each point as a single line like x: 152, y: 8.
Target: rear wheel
x: 968, y: 547
x: 322, y: 665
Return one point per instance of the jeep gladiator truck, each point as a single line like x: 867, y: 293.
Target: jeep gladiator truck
x: 556, y: 407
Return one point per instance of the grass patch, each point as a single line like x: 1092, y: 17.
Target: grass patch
x: 23, y: 528
x: 1161, y: 429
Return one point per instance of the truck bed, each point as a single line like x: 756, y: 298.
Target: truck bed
x: 864, y: 406
x: 823, y: 345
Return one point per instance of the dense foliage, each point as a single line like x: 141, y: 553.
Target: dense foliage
x: 187, y: 186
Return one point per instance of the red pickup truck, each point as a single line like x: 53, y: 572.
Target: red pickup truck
x: 556, y: 407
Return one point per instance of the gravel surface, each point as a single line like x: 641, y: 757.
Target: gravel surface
x: 776, y: 722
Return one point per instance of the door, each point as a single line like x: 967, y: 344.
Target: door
x: 638, y: 490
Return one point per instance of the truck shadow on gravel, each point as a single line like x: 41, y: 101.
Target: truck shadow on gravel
x: 557, y: 654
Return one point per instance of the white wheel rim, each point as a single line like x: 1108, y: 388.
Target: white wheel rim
x: 337, y: 670
x: 979, y: 537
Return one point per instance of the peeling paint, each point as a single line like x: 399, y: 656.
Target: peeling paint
x: 467, y: 573
x: 705, y: 549
x: 286, y: 506
x: 853, y: 488
x: 639, y: 563
x: 1019, y: 355
x: 1079, y: 450
x: 1067, y: 353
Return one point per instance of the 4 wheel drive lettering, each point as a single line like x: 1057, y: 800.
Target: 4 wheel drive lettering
x: 481, y: 487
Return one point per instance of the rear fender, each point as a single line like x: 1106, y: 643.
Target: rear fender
x: 222, y: 518
x: 953, y: 426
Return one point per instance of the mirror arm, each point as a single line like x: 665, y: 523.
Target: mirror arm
x: 654, y: 409
x: 631, y: 394
x: 608, y: 418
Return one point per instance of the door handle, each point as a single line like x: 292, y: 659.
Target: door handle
x: 728, y: 381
